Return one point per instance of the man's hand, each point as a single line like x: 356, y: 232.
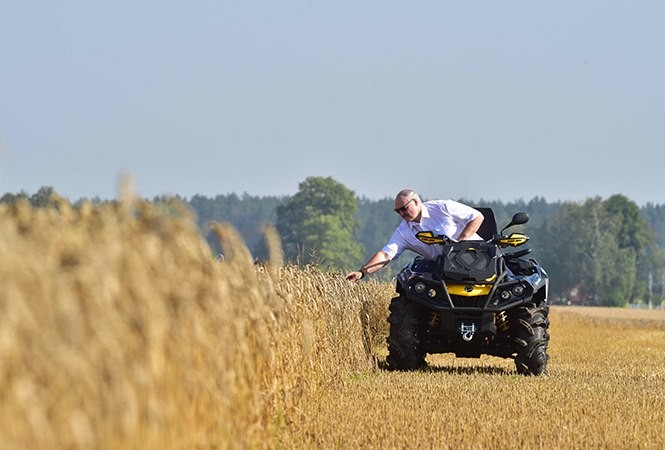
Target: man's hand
x: 376, y: 262
x: 354, y: 276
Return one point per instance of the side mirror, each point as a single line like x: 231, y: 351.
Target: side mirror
x: 518, y: 219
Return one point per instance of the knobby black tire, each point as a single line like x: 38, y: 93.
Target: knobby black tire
x: 532, y: 339
x: 403, y: 344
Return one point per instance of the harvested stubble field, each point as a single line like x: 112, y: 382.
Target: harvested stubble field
x: 119, y: 330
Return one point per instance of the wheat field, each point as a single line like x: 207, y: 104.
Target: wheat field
x: 120, y: 330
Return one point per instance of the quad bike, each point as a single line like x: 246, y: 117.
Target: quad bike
x: 473, y: 299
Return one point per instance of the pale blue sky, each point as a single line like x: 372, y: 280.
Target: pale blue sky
x: 486, y: 99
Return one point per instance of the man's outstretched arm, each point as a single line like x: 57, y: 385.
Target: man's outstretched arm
x: 376, y: 262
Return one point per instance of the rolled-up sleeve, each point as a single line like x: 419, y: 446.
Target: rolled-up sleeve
x: 461, y: 213
x: 395, y: 246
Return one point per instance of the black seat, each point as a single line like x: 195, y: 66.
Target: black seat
x: 488, y: 228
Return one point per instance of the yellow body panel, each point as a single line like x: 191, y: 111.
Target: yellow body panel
x: 477, y: 289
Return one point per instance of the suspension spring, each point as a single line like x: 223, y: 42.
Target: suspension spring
x: 434, y: 320
x: 501, y: 320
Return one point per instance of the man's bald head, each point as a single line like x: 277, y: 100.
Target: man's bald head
x: 406, y: 194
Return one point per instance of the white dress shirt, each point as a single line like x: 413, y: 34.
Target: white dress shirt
x: 446, y: 217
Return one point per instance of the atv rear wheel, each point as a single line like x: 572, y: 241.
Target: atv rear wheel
x: 532, y: 339
x: 403, y: 343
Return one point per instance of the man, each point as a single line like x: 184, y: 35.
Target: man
x: 448, y: 217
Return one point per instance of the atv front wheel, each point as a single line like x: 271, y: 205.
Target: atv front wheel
x: 403, y: 344
x: 531, y: 339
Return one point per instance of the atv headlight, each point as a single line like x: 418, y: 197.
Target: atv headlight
x: 431, y: 293
x: 517, y: 290
x: 419, y: 287
x: 505, y: 295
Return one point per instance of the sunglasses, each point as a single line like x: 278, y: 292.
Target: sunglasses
x: 403, y: 208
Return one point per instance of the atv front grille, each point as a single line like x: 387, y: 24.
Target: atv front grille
x: 460, y: 301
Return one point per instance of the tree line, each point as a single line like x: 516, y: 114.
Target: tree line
x: 597, y: 252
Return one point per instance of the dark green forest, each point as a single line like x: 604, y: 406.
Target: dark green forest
x: 597, y: 252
